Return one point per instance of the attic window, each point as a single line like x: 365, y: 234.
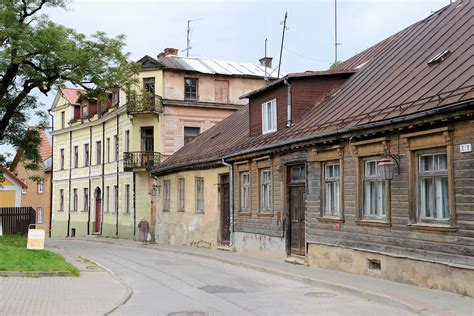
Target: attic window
x: 438, y: 58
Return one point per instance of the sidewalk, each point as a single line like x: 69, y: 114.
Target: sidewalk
x: 408, y: 297
x: 95, y: 292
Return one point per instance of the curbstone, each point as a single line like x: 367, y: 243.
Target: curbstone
x: 35, y: 274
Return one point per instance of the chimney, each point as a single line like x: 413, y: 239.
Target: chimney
x: 266, y: 62
x: 168, y: 52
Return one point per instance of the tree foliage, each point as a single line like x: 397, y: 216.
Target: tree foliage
x: 38, y: 55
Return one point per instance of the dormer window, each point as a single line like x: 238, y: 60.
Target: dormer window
x: 269, y: 117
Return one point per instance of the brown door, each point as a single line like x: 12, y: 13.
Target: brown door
x: 225, y: 209
x: 297, y: 193
x: 98, y: 209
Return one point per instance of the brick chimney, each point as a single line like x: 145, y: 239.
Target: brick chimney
x: 168, y: 52
x: 266, y: 62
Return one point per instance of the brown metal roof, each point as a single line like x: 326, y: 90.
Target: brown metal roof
x: 395, y: 81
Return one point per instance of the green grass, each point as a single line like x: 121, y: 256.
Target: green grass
x: 15, y: 257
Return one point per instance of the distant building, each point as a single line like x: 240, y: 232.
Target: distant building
x: 103, y: 150
x: 11, y: 188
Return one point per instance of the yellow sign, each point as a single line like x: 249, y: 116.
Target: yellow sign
x: 35, y: 239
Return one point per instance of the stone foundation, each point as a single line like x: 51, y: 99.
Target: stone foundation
x: 261, y: 245
x: 416, y: 272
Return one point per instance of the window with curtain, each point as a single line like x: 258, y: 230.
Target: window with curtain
x: 245, y: 191
x: 269, y: 117
x: 374, y: 190
x: 433, y: 198
x: 265, y: 190
x: 332, y: 191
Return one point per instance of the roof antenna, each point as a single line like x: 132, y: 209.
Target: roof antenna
x: 335, y: 32
x: 188, y: 39
x: 282, y: 41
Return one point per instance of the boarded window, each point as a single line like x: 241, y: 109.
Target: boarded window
x: 199, y: 195
x: 374, y: 190
x: 245, y: 191
x: 222, y: 91
x: 266, y: 190
x: 269, y: 117
x: 190, y: 88
x: 332, y: 189
x: 190, y: 133
x: 181, y: 201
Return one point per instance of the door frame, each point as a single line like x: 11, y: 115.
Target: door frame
x: 221, y: 208
x: 287, y: 214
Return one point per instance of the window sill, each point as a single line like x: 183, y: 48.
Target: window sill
x: 165, y: 211
x: 200, y: 212
x: 373, y: 223
x: 265, y: 214
x: 330, y: 219
x: 245, y: 214
x: 181, y: 211
x: 433, y: 227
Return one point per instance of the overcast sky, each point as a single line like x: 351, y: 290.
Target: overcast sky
x: 236, y: 30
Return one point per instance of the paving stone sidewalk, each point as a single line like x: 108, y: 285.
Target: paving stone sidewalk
x: 411, y: 298
x: 95, y: 292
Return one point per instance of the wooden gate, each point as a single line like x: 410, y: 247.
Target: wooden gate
x: 15, y: 220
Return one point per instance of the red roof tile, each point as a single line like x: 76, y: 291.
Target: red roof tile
x: 72, y: 94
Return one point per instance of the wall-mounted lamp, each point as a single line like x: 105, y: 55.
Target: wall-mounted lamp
x: 387, y: 165
x: 155, y: 190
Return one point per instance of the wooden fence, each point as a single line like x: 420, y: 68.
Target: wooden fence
x: 15, y: 220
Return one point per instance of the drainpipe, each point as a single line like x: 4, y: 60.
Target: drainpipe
x: 103, y: 171
x: 90, y: 183
x: 289, y: 109
x: 117, y: 178
x: 52, y: 166
x: 69, y: 197
x: 231, y: 198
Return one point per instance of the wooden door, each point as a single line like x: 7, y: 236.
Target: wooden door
x: 297, y: 220
x: 98, y: 209
x: 225, y: 209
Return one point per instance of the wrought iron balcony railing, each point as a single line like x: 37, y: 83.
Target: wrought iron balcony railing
x: 143, y: 104
x: 140, y: 160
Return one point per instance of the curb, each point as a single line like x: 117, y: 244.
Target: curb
x: 369, y: 295
x: 36, y: 274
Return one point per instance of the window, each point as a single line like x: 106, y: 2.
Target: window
x: 433, y: 199
x: 127, y: 198
x: 199, y: 195
x: 374, y: 190
x: 86, y: 155
x: 190, y: 89
x: 116, y: 198
x: 181, y: 202
x: 115, y: 98
x: 190, y: 133
x: 39, y: 215
x: 147, y: 139
x: 222, y: 91
x: 40, y: 186
x: 86, y: 199
x: 245, y: 192
x: 75, y: 197
x: 24, y: 190
x: 107, y: 199
x: 116, y: 147
x: 85, y: 111
x: 61, y: 200
x: 61, y: 159
x: 98, y: 150
x: 63, y: 119
x: 76, y: 156
x: 127, y: 141
x: 265, y: 190
x: 166, y: 195
x: 332, y: 191
x: 269, y: 117
x: 149, y: 85
x: 108, y: 149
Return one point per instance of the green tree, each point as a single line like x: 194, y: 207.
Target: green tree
x: 38, y: 55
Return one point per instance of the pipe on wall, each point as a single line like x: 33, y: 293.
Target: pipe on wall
x: 289, y: 108
x: 52, y: 170
x: 69, y: 189
x: 231, y: 199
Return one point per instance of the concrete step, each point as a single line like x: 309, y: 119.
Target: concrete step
x: 297, y: 260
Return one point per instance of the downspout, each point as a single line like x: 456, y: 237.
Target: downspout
x: 289, y: 108
x: 102, y: 189
x: 90, y: 192
x: 117, y: 152
x: 69, y: 197
x: 231, y: 198
x: 134, y: 205
x: 52, y: 166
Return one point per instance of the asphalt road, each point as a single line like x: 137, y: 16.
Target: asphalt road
x: 177, y: 284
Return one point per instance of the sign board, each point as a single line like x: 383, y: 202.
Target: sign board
x: 465, y: 148
x: 35, y: 239
x: 1, y: 230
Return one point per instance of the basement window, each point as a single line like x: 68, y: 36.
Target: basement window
x: 374, y: 264
x: 438, y: 58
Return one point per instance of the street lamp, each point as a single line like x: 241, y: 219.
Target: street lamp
x: 387, y: 165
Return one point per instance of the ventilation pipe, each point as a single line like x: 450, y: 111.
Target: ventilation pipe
x: 231, y: 198
x: 288, y: 124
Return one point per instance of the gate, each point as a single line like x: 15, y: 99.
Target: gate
x: 15, y: 220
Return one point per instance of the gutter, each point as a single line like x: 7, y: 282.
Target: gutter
x: 231, y: 200
x: 289, y: 108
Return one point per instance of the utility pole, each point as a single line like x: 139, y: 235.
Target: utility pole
x: 188, y: 36
x: 282, y: 41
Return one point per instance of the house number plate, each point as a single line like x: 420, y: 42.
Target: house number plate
x: 465, y: 148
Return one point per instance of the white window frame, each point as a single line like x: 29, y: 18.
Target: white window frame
x: 378, y: 182
x: 40, y: 186
x: 24, y: 190
x: 266, y: 201
x: 245, y: 191
x: 332, y: 190
x: 39, y: 215
x: 269, y: 123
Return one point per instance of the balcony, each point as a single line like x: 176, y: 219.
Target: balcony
x: 144, y: 104
x: 140, y: 160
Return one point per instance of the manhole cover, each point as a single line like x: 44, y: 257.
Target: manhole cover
x: 320, y: 294
x: 216, y: 289
x: 188, y: 313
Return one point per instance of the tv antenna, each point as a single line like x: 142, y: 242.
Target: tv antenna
x: 335, y: 32
x: 282, y: 40
x: 188, y: 36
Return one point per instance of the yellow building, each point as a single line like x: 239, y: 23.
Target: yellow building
x: 103, y: 151
x: 10, y: 189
